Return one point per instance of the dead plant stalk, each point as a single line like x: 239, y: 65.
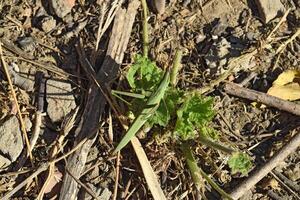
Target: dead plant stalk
x: 23, y: 127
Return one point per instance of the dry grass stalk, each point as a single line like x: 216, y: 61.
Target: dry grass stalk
x: 87, y: 189
x: 288, y: 41
x: 282, y: 20
x: 115, y: 194
x: 67, y: 125
x: 23, y: 126
x: 39, y: 170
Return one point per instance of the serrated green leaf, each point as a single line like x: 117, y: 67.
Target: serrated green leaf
x: 209, y: 132
x: 240, y: 162
x: 143, y: 75
x: 195, y: 113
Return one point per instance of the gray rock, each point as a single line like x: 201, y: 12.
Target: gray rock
x: 11, y: 142
x: 218, y: 54
x: 106, y: 193
x: 60, y: 99
x: 269, y: 9
x: 27, y: 43
x: 4, y: 162
x: 62, y: 7
x: 22, y: 80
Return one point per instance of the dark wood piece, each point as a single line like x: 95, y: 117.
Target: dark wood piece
x: 236, y: 90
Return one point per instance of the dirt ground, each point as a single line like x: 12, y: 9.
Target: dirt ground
x: 41, y: 43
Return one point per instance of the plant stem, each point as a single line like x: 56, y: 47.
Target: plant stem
x: 192, y: 164
x: 215, y: 145
x: 198, y: 173
x: 175, y: 69
x: 145, y: 29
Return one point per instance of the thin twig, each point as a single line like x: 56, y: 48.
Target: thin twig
x: 283, y: 19
x: 115, y: 194
x: 23, y: 183
x: 88, y: 190
x: 283, y: 45
x: 289, y: 183
x: 23, y: 127
x: 261, y: 172
x: 67, y: 125
x: 42, y: 168
x: 236, y: 90
x: 275, y: 175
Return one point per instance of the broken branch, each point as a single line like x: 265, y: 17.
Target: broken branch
x: 236, y: 90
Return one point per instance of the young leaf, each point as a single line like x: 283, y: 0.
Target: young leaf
x: 209, y: 132
x: 195, y: 113
x: 143, y: 75
x: 240, y: 162
x: 166, y: 109
x: 151, y: 105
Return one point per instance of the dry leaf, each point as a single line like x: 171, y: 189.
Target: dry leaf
x: 286, y: 77
x: 270, y: 183
x: 285, y: 86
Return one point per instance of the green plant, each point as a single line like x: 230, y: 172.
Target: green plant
x: 151, y: 106
x: 240, y: 162
x: 161, y: 101
x: 194, y: 113
x: 193, y: 118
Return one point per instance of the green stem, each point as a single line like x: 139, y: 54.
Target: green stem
x: 145, y: 29
x: 192, y: 164
x: 198, y: 173
x: 175, y: 69
x: 215, y: 145
x: 128, y: 94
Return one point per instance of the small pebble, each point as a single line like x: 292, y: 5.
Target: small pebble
x: 62, y: 7
x: 26, y: 43
x: 48, y: 24
x: 200, y: 38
